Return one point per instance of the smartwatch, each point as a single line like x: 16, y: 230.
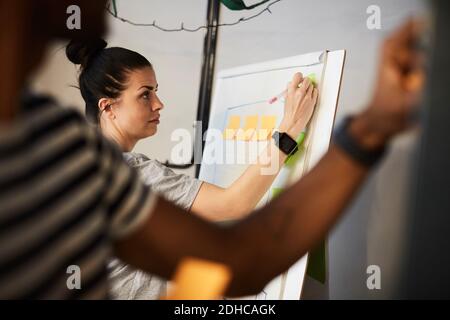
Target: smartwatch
x: 349, y: 145
x: 285, y: 143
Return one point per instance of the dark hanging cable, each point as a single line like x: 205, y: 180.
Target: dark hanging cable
x: 113, y: 12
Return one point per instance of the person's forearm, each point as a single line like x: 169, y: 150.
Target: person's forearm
x: 292, y: 224
x: 241, y: 197
x: 262, y: 245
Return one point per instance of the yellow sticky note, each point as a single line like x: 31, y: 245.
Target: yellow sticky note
x: 234, y: 123
x: 199, y: 280
x: 251, y: 122
x: 267, y: 125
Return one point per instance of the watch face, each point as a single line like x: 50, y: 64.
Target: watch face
x: 284, y: 142
x: 287, y: 143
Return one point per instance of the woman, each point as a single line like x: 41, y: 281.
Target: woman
x: 119, y: 87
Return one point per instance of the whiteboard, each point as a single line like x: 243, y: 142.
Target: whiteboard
x: 242, y: 94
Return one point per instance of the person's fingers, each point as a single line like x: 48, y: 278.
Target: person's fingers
x: 290, y: 91
x: 294, y: 83
x: 296, y: 80
x: 402, y: 45
x: 400, y: 37
x: 403, y: 57
x: 298, y: 77
x: 408, y: 59
x: 413, y: 94
x: 301, y: 91
x: 310, y: 91
x: 402, y: 33
x: 315, y: 95
x: 289, y: 88
x: 414, y: 81
x: 406, y: 34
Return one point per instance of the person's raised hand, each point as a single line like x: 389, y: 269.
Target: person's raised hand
x: 398, y: 87
x: 301, y: 98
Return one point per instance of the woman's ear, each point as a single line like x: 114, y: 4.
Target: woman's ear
x: 104, y: 106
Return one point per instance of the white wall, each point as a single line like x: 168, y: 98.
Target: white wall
x: 370, y: 233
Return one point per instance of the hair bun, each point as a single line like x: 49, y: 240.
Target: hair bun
x: 82, y: 51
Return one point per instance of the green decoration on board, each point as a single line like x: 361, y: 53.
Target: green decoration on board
x: 236, y: 5
x: 291, y: 160
x: 317, y: 267
x: 276, y: 192
x: 316, y: 258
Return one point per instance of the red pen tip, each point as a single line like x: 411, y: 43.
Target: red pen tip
x: 271, y: 101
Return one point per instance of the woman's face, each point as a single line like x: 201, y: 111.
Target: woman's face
x: 137, y: 109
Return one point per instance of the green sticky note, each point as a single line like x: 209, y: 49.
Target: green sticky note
x: 292, y: 159
x: 276, y: 192
x: 316, y: 263
x: 313, y: 78
x: 316, y: 258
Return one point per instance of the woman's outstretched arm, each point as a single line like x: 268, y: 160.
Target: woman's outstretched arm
x: 241, y: 197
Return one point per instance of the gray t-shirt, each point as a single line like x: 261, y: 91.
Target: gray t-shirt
x: 127, y: 282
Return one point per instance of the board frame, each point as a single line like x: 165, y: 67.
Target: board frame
x: 293, y: 279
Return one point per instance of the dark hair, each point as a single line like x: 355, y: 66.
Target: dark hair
x: 103, y: 70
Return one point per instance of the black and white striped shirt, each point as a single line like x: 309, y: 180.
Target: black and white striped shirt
x: 65, y: 196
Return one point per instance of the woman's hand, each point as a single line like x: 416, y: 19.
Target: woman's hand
x: 301, y: 97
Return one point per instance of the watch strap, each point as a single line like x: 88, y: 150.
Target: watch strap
x: 349, y: 145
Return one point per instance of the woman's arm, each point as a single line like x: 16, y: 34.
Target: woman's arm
x: 243, y: 195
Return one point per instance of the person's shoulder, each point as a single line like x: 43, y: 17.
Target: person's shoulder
x: 142, y: 162
x: 135, y: 159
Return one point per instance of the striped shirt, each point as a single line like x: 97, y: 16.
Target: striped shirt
x: 66, y: 195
